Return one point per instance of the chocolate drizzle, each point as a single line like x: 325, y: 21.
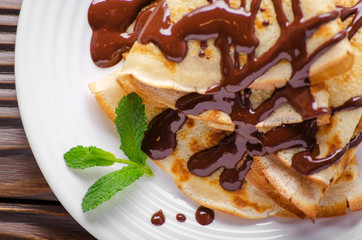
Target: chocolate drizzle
x: 306, y: 163
x: 238, y: 106
x: 356, y: 23
x: 109, y: 21
x: 231, y: 179
x: 234, y: 148
x: 221, y: 22
x: 353, y: 103
x: 160, y: 137
x: 210, y: 21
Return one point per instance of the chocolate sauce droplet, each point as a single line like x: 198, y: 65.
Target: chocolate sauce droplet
x: 203, y: 45
x: 158, y: 218
x: 265, y: 23
x: 204, y: 215
x: 180, y: 217
x: 202, y: 54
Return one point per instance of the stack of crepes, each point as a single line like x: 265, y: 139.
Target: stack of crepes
x: 265, y: 98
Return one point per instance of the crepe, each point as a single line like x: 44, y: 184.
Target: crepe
x: 147, y: 64
x: 291, y: 187
x: 345, y: 193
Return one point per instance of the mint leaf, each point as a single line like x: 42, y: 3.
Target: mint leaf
x: 107, y: 186
x: 131, y: 125
x: 85, y: 157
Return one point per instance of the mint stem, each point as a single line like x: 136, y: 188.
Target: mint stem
x: 147, y: 170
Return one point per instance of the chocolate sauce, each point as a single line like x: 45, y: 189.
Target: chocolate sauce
x: 109, y: 21
x: 226, y: 154
x: 306, y: 163
x: 288, y: 136
x: 353, y: 103
x: 231, y: 179
x: 180, y: 217
x: 356, y: 23
x: 203, y: 46
x: 204, y: 23
x: 158, y: 218
x: 355, y: 141
x: 160, y: 137
x: 246, y: 139
x: 265, y: 23
x: 204, y: 215
x: 234, y: 148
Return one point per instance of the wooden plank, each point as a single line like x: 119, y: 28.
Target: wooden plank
x: 7, y: 95
x: 35, y: 221
x: 9, y: 20
x: 7, y: 38
x: 9, y: 112
x: 10, y: 4
x: 7, y: 58
x: 13, y: 138
x: 21, y: 178
x: 6, y: 78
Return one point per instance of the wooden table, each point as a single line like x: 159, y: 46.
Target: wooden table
x: 28, y: 208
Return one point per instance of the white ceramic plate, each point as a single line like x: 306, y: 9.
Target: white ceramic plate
x: 53, y: 69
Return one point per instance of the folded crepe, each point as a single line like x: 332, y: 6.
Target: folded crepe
x: 147, y: 64
x: 304, y: 198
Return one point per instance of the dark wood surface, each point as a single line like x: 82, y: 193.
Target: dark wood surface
x: 28, y: 208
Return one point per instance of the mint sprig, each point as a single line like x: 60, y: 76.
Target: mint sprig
x: 131, y: 125
x: 107, y: 186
